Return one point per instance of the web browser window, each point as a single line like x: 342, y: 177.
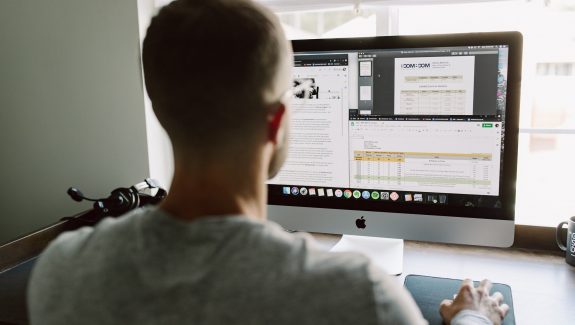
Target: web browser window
x: 417, y: 126
x: 319, y: 122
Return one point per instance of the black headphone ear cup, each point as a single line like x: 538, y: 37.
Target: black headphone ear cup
x: 121, y: 200
x: 135, y: 195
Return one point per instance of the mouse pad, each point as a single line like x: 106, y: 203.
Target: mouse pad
x: 428, y: 292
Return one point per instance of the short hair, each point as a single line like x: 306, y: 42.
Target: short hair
x: 208, y: 65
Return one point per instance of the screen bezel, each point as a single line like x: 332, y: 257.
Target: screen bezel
x: 509, y: 170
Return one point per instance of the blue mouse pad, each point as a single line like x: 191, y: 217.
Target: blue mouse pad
x: 428, y: 292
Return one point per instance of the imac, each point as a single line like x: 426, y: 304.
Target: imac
x: 403, y: 137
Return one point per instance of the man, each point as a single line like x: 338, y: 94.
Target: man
x: 218, y: 73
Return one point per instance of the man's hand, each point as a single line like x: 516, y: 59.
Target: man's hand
x: 477, y: 299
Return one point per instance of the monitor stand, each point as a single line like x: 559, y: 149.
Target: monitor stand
x: 386, y: 253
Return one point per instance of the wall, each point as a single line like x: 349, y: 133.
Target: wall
x: 71, y: 107
x: 159, y: 146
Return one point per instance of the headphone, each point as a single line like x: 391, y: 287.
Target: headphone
x: 123, y: 199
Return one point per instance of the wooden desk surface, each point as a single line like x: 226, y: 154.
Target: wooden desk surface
x: 542, y: 284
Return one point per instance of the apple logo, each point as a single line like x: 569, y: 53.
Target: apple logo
x: 360, y: 223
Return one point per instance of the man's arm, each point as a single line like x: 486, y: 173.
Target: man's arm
x: 393, y: 304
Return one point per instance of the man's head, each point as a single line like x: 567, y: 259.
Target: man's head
x: 216, y: 72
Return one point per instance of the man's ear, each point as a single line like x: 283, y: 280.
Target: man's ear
x: 275, y: 119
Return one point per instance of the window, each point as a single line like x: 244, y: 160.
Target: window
x: 328, y: 24
x: 555, y: 69
x: 546, y: 168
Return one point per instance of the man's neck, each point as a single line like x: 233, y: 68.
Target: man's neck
x: 215, y: 191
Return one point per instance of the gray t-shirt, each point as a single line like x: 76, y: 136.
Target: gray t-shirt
x: 149, y: 268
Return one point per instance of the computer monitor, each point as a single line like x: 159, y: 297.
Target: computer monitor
x: 408, y: 137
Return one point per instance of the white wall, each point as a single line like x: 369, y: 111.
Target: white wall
x: 159, y: 146
x: 71, y: 107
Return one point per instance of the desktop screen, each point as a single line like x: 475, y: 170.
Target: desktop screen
x: 400, y: 129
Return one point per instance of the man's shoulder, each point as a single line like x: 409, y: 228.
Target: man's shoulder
x: 354, y: 266
x: 305, y: 258
x: 304, y: 245
x: 72, y: 244
x: 343, y: 279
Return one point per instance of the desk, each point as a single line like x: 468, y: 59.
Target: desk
x: 542, y: 284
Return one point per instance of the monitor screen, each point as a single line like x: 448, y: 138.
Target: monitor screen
x: 404, y: 124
